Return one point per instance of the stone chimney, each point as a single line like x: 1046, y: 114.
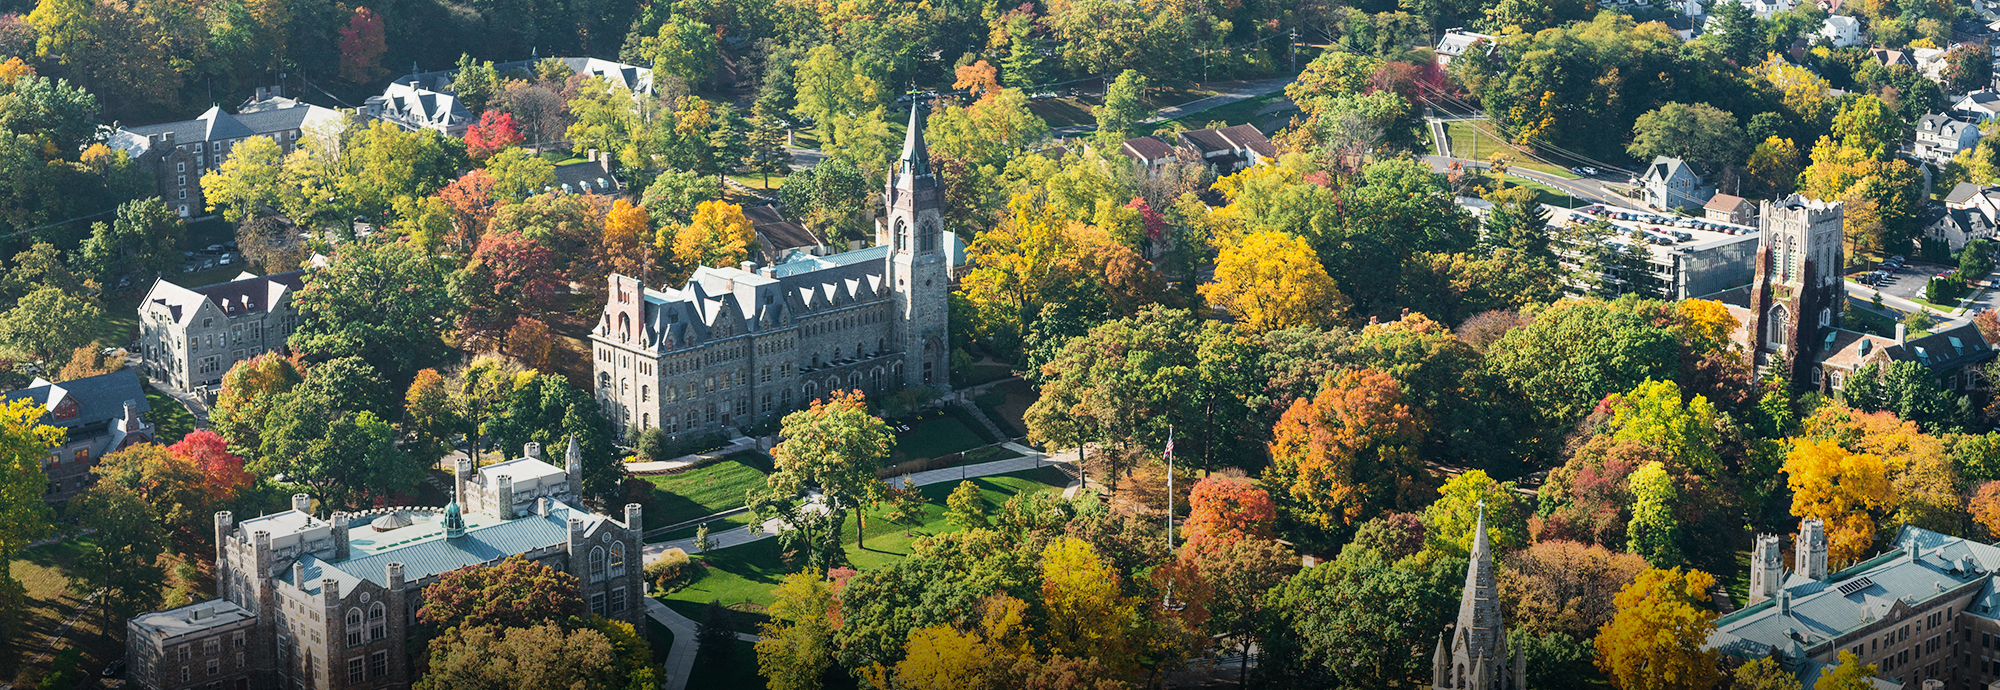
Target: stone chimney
x: 339, y: 529
x: 532, y: 449
x: 1902, y: 334
x: 503, y: 495
x: 299, y: 574
x: 459, y: 478
x: 768, y: 272
x: 302, y: 503
x: 395, y: 573
x: 633, y: 518
x: 542, y: 506
x: 225, y: 522
x: 748, y: 266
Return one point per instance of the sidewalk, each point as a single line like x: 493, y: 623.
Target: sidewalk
x: 680, y: 659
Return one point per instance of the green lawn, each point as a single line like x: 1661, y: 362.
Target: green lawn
x: 714, y: 526
x: 52, y: 595
x: 937, y: 436
x: 1475, y: 140
x: 1240, y: 112
x: 746, y: 574
x: 704, y: 490
x: 990, y: 454
x: 1063, y: 112
x: 170, y: 419
x: 987, y: 373
x: 1005, y: 404
x: 757, y: 181
x: 737, y: 671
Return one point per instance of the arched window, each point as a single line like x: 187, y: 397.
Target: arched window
x: 1780, y: 323
x: 624, y: 327
x: 353, y: 627
x: 597, y: 564
x: 881, y: 345
x: 1825, y: 316
x: 378, y: 621
x: 617, y: 559
x: 645, y: 393
x: 645, y: 421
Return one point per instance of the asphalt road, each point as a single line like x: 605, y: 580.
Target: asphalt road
x: 1587, y: 188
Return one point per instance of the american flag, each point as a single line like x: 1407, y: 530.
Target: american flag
x: 1170, y: 445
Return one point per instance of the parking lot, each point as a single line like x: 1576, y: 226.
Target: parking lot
x: 1906, y: 282
x: 210, y: 257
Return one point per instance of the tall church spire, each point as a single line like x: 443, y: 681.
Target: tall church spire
x: 1479, y: 657
x: 915, y: 162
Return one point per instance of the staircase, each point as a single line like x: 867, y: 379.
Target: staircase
x: 977, y: 414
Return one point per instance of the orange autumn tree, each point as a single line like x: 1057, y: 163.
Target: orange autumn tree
x: 979, y: 79
x: 470, y: 198
x: 1924, y: 481
x: 628, y: 232
x: 1349, y: 453
x: 1221, y: 508
x: 1985, y: 507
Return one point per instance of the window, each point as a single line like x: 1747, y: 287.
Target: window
x: 617, y: 558
x: 597, y: 603
x: 597, y: 564
x: 183, y: 653
x: 378, y: 621
x: 618, y: 600
x: 211, y: 646
x: 180, y: 166
x: 353, y: 627
x: 214, y: 666
x: 645, y: 393
x: 183, y: 195
x: 182, y: 180
x: 356, y: 671
x: 378, y: 664
x: 239, y: 660
x: 237, y: 640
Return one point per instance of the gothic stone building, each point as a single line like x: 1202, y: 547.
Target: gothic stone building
x: 190, y: 337
x: 177, y: 153
x: 740, y: 346
x: 98, y: 415
x: 1475, y: 658
x: 1922, y: 612
x: 331, y: 603
x: 1793, y: 316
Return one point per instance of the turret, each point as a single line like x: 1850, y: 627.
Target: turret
x: 302, y: 503
x: 225, y: 523
x: 1441, y: 665
x: 573, y: 466
x: 1767, y: 568
x: 454, y: 521
x: 1811, y: 558
x: 532, y: 449
x: 459, y: 478
x: 633, y: 519
x: 338, y: 527
x: 503, y: 495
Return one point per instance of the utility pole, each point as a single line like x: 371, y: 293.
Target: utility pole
x: 1292, y: 52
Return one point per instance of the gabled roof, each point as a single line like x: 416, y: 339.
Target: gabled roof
x: 215, y: 125
x: 1963, y: 192
x: 235, y: 298
x: 586, y: 178
x: 99, y: 398
x: 1725, y: 202
x: 1664, y: 168
x: 1952, y: 347
x: 1147, y: 149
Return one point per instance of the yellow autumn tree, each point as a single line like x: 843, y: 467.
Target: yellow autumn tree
x: 1705, y: 325
x: 1087, y: 613
x: 941, y: 657
x: 1851, y: 674
x: 1775, y: 165
x: 1271, y: 280
x: 626, y: 231
x: 1800, y: 91
x: 1841, y: 488
x: 717, y: 235
x: 1657, y: 639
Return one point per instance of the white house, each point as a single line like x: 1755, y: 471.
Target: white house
x: 1942, y: 135
x: 407, y: 103
x: 1456, y: 41
x: 1841, y: 32
x: 1672, y: 183
x: 1982, y: 105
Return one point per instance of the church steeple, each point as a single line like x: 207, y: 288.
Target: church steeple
x: 1478, y: 655
x: 914, y: 164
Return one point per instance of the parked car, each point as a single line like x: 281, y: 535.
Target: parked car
x: 226, y: 258
x: 1589, y: 171
x: 1897, y: 258
x: 116, y: 668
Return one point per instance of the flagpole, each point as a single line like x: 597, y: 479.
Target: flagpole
x: 1170, y: 488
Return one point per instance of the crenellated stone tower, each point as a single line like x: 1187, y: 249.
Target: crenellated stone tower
x: 1767, y: 568
x: 917, y: 266
x: 1798, y: 287
x: 1476, y: 657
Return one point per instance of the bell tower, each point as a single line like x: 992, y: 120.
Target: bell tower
x: 918, y: 268
x: 1798, y: 287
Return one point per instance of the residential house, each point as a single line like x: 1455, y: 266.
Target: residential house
x: 1672, y: 183
x: 1230, y: 149
x: 178, y: 153
x: 1892, y: 58
x: 1969, y: 195
x: 409, y: 103
x: 1149, y: 152
x: 330, y: 603
x: 1841, y: 31
x: 780, y: 240
x: 1942, y: 135
x: 1764, y: 9
x: 1921, y: 614
x: 190, y: 337
x: 1684, y: 27
x: 1930, y: 61
x: 1457, y: 40
x: 593, y: 176
x: 98, y: 415
x: 1957, y: 226
x: 1731, y: 209
x: 1983, y: 105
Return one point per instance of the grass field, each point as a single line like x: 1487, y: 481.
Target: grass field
x: 714, y: 526
x: 1474, y: 140
x: 170, y: 419
x: 743, y: 576
x: 757, y: 181
x: 940, y: 435
x: 987, y: 373
x: 53, y: 595
x: 702, y: 491
x: 738, y: 670
x: 1064, y: 112
x: 1240, y: 112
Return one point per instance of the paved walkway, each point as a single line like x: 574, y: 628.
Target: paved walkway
x: 680, y: 658
x: 736, y: 445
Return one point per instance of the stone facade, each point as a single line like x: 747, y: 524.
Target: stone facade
x: 98, y: 415
x: 331, y: 603
x: 201, y: 645
x: 177, y: 153
x: 1798, y: 287
x: 1476, y: 656
x: 191, y: 337
x: 735, y: 347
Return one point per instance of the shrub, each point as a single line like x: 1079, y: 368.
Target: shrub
x: 673, y: 571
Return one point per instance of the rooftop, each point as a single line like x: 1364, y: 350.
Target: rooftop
x: 98, y: 398
x: 192, y: 618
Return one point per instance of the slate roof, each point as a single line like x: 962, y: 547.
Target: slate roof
x: 1945, y: 349
x: 1665, y: 168
x: 1850, y: 349
x: 1146, y: 149
x: 99, y: 398
x: 432, y: 554
x: 585, y: 178
x: 634, y: 78
x: 235, y: 298
x: 1819, y: 612
x: 1725, y: 202
x: 777, y: 238
x: 213, y: 125
x: 179, y: 621
x: 1963, y: 192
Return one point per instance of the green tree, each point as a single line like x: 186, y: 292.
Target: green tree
x: 835, y: 446
x: 124, y: 549
x: 966, y: 509
x: 249, y: 391
x: 684, y: 48
x: 1576, y: 352
x: 1977, y: 259
x: 1655, y: 532
x: 535, y: 656
x: 249, y: 183
x: 1123, y: 109
x: 517, y: 174
x: 476, y: 84
x: 139, y: 242
x: 1698, y: 133
x: 673, y: 196
x: 1450, y: 521
x: 765, y: 146
x: 385, y: 302
x: 1911, y: 391
x: 1358, y: 622
x: 49, y: 325
x: 344, y: 455
x: 1736, y: 32
x: 1653, y: 414
x: 827, y: 85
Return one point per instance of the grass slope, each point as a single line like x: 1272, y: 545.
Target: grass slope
x: 702, y: 491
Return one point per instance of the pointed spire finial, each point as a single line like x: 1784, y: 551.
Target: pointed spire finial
x: 915, y: 160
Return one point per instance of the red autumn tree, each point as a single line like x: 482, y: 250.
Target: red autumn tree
x: 1221, y: 508
x: 1155, y: 223
x: 495, y: 131
x: 509, y: 274
x: 362, y: 43
x: 222, y: 470
x: 1985, y: 507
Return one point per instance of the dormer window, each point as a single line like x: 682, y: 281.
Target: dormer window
x: 64, y: 410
